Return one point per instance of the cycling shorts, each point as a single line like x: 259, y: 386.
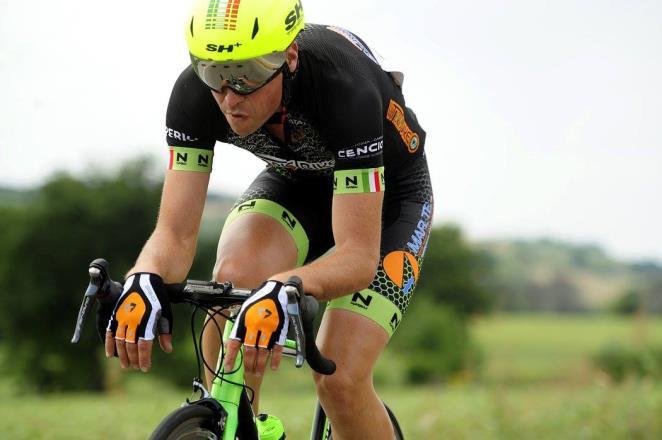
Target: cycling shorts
x: 302, y: 205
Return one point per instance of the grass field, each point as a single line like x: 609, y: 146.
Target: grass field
x: 538, y: 383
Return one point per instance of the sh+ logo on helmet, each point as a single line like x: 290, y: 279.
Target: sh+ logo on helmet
x: 294, y: 16
x: 222, y: 47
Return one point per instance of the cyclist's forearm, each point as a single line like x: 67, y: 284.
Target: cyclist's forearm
x: 344, y: 270
x: 168, y: 254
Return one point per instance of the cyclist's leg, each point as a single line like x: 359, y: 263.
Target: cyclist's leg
x: 254, y: 241
x: 357, y: 327
x: 348, y: 396
x: 272, y: 228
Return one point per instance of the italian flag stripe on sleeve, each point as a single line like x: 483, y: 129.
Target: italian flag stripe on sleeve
x: 359, y: 181
x: 375, y: 185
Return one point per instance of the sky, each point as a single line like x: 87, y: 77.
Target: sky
x: 543, y: 117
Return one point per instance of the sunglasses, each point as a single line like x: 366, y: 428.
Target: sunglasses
x: 243, y: 77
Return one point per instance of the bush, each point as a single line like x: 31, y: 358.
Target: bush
x: 627, y: 304
x: 453, y: 272
x: 45, y: 250
x: 46, y: 247
x: 621, y: 362
x: 434, y: 343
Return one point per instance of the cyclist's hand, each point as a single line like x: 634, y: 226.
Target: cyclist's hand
x: 262, y: 327
x: 142, y: 311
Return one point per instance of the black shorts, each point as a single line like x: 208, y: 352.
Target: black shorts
x: 303, y: 206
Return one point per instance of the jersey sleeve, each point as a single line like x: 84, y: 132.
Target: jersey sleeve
x: 188, y: 135
x: 357, y: 139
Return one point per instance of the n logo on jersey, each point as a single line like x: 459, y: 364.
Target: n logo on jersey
x: 190, y: 159
x: 361, y: 301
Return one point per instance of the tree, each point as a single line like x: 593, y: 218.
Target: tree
x: 46, y: 247
x: 453, y: 272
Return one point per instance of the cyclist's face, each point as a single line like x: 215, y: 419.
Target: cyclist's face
x: 247, y: 113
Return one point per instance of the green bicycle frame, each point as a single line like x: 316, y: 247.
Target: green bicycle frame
x: 227, y: 391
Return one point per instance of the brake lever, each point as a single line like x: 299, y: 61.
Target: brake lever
x: 294, y: 313
x: 90, y: 295
x: 101, y: 288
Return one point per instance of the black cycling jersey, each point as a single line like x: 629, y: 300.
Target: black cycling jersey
x: 344, y: 117
x: 343, y: 113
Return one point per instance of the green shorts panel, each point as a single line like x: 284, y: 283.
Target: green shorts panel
x: 282, y: 216
x: 372, y: 305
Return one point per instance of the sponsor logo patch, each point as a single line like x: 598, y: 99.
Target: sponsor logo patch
x: 361, y: 301
x: 402, y: 268
x: 180, y: 136
x: 418, y: 239
x: 396, y: 115
x: 359, y: 181
x: 368, y: 150
x: 190, y: 159
x: 292, y: 164
x: 294, y: 17
x: 211, y: 47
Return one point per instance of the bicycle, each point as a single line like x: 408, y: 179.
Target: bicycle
x: 225, y: 412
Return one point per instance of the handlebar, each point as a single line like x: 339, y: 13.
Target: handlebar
x: 301, y: 308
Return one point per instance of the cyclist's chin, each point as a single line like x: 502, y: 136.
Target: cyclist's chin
x: 243, y: 126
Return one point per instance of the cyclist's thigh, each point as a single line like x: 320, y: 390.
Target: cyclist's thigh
x: 407, y: 218
x: 272, y: 228
x: 352, y: 341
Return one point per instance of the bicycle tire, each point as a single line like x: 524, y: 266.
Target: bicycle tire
x: 394, y: 422
x: 319, y: 422
x: 187, y: 423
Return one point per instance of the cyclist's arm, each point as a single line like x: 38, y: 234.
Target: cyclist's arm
x: 352, y: 264
x: 170, y: 249
x: 354, y: 119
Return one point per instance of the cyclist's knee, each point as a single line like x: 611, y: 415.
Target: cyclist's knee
x: 236, y: 270
x: 340, y: 389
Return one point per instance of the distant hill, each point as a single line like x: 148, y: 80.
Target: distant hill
x: 527, y: 275
x: 216, y: 208
x: 553, y: 275
x: 14, y: 197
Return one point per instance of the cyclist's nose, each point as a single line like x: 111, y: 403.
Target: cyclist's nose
x: 232, y: 98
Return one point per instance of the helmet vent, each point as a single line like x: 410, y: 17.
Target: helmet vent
x: 192, y: 18
x: 256, y: 28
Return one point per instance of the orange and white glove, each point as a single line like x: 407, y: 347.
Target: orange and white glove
x: 143, y: 310
x: 263, y: 321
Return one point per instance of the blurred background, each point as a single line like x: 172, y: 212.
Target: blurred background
x: 539, y: 309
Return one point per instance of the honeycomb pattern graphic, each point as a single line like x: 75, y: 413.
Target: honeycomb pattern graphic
x: 252, y: 193
x: 400, y: 296
x: 422, y: 178
x: 383, y: 283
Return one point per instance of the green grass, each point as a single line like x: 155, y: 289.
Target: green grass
x: 538, y: 383
x: 524, y: 349
x: 598, y: 411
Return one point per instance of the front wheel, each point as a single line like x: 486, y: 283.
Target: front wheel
x: 188, y: 423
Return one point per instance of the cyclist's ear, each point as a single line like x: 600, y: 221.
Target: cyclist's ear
x: 292, y: 54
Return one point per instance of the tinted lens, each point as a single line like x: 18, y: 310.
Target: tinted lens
x: 244, y: 76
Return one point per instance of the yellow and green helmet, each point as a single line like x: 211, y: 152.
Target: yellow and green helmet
x: 241, y: 43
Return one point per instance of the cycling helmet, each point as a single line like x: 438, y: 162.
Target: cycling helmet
x: 241, y: 44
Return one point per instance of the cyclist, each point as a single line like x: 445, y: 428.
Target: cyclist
x: 344, y: 203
